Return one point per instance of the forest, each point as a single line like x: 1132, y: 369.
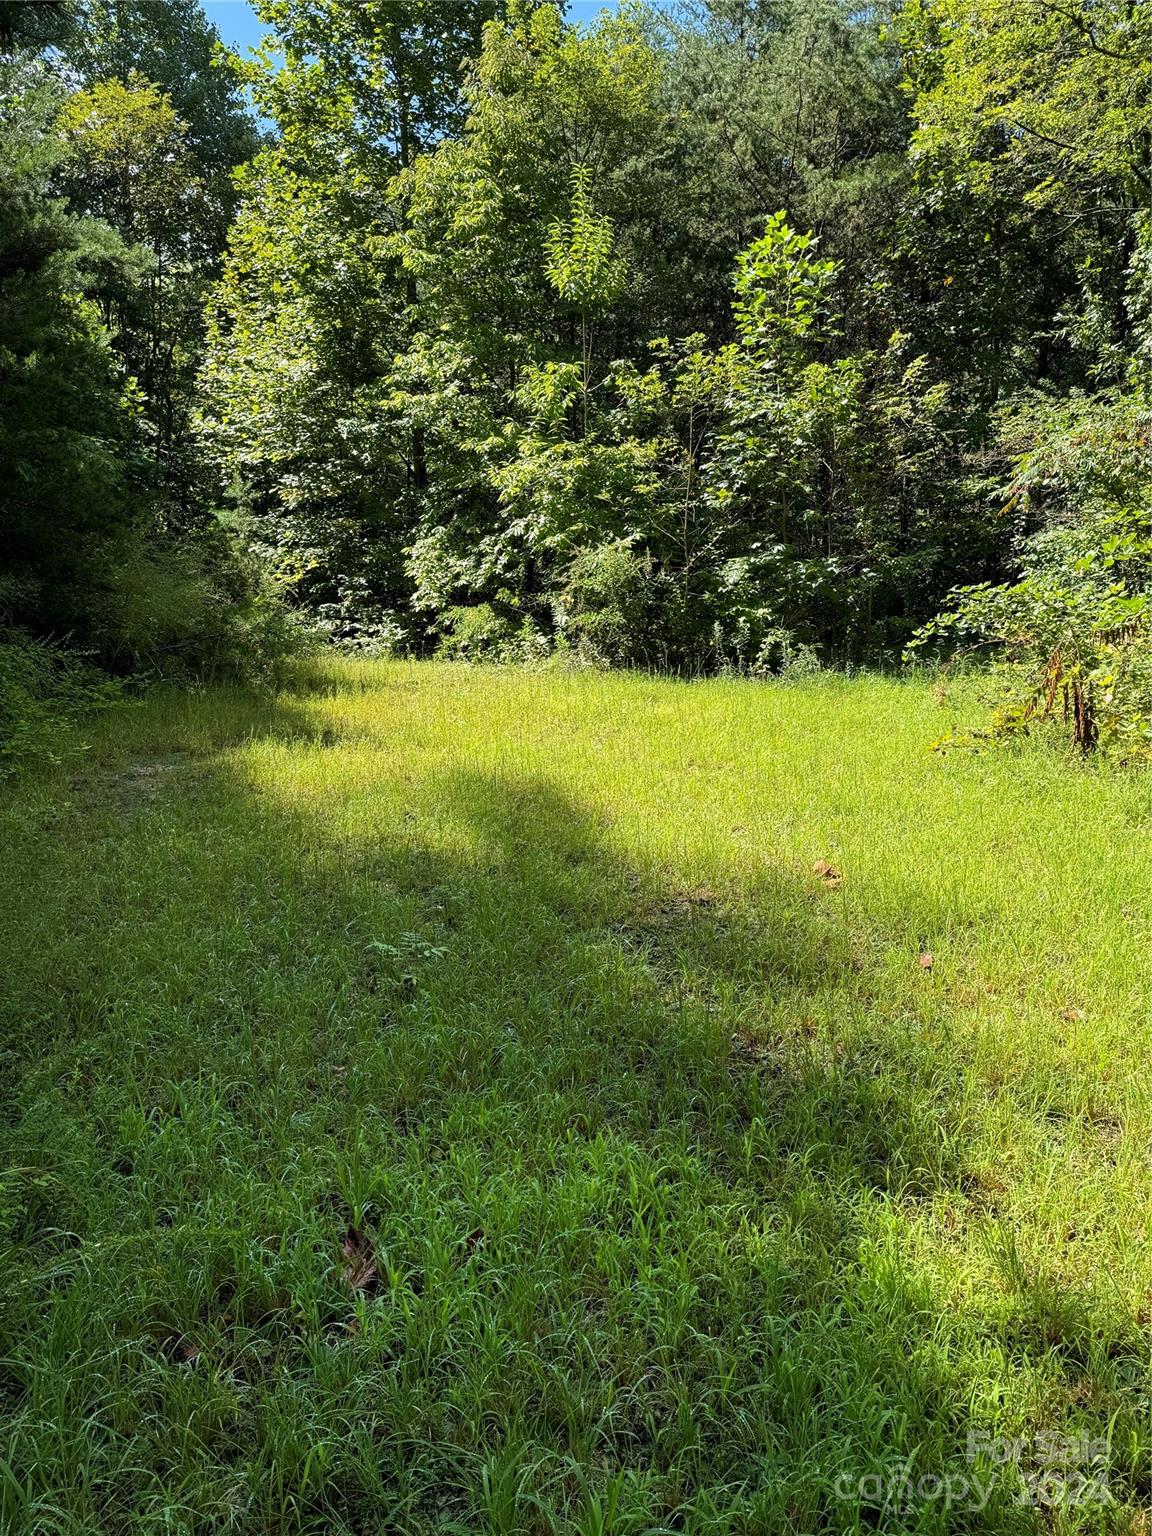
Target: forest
x: 575, y: 817
x: 735, y: 337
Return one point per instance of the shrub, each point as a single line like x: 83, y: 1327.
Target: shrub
x: 481, y: 632
x: 1071, y: 639
x: 44, y: 691
x: 605, y: 604
x: 199, y: 608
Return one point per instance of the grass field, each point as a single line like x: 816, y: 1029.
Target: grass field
x: 446, y: 1100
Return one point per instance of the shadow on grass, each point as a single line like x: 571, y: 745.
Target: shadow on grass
x: 621, y: 1208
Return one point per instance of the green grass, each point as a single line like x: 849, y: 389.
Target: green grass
x: 685, y: 1197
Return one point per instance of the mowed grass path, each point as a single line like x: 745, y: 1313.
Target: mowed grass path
x: 446, y: 1100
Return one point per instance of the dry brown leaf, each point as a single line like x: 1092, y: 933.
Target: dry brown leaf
x: 359, y: 1274
x: 827, y: 872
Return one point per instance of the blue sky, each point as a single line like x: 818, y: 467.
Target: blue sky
x: 236, y: 21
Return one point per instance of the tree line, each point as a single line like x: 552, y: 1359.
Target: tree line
x: 741, y: 335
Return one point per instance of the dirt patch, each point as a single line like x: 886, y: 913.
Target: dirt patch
x: 139, y: 784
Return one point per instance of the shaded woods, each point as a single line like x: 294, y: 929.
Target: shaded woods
x: 723, y: 337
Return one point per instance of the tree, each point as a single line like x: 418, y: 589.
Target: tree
x: 171, y: 44
x: 769, y: 106
x: 1051, y: 100
x: 65, y: 419
x: 313, y: 307
x: 544, y: 98
x: 134, y: 168
x: 511, y: 240
x: 389, y: 75
x: 582, y: 268
x: 128, y: 163
x: 1034, y: 139
x: 28, y: 28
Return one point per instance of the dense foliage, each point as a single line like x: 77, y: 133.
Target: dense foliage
x: 113, y: 213
x: 702, y: 338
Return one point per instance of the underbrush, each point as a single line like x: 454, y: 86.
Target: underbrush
x: 45, y: 691
x: 187, y: 614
